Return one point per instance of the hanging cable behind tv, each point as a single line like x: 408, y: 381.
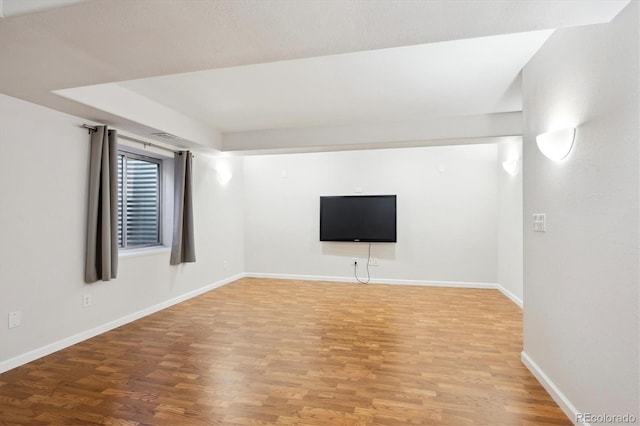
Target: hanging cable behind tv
x: 355, y: 269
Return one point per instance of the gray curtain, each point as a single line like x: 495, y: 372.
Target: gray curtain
x: 102, y: 220
x: 183, y: 246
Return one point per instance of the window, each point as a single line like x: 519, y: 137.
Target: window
x: 139, y: 200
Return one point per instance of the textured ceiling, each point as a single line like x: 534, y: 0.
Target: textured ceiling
x: 108, y: 41
x: 22, y: 7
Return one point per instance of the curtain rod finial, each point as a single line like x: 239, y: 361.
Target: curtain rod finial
x: 89, y: 128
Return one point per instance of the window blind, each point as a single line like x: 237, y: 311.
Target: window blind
x: 139, y: 201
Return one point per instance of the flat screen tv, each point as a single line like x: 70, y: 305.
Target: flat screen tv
x: 366, y: 218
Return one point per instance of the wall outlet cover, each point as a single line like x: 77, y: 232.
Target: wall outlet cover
x: 15, y: 319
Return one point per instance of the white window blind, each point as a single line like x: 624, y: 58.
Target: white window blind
x: 139, y: 202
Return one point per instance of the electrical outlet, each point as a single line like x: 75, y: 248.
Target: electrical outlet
x: 86, y: 300
x: 225, y: 264
x: 374, y: 261
x: 354, y: 261
x: 15, y: 319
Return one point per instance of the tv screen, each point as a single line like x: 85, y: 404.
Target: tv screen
x: 366, y: 218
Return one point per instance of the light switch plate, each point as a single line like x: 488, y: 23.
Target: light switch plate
x: 540, y: 222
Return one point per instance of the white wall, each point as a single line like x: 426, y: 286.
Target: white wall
x: 446, y: 219
x: 581, y: 277
x: 43, y: 185
x: 510, y: 222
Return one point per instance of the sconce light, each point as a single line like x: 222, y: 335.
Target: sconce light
x: 556, y: 145
x: 224, y: 174
x: 511, y: 166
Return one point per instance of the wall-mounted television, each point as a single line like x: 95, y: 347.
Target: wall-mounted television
x: 366, y: 218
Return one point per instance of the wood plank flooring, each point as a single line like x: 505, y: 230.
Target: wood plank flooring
x: 259, y: 352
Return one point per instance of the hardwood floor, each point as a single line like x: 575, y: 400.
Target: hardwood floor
x: 258, y: 352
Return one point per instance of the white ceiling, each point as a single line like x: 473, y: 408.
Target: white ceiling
x: 227, y: 66
x: 462, y: 77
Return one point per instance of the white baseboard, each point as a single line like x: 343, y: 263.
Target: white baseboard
x: 77, y: 338
x: 557, y: 395
x: 373, y: 280
x: 461, y: 284
x: 515, y: 299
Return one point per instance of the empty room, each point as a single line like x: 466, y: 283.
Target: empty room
x: 320, y: 212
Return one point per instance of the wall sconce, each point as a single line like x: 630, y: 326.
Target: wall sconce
x: 556, y: 145
x: 224, y: 174
x: 511, y: 166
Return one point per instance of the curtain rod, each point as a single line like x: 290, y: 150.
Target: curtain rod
x: 145, y: 143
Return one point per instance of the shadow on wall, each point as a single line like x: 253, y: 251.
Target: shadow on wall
x: 386, y: 251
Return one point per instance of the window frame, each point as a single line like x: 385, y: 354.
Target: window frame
x: 129, y: 154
